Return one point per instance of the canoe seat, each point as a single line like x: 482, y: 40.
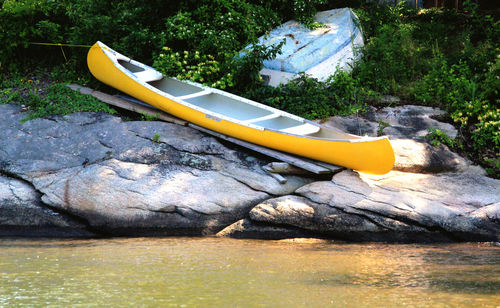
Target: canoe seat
x: 266, y: 117
x: 148, y: 75
x: 303, y: 129
x: 193, y: 95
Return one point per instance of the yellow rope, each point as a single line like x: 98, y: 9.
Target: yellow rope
x: 64, y: 55
x: 59, y: 44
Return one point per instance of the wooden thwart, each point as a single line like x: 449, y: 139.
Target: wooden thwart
x: 140, y: 107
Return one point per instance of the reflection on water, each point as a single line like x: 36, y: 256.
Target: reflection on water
x: 212, y: 272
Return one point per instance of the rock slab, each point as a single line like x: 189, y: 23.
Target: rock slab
x: 23, y: 214
x: 396, y: 207
x: 112, y: 176
x: 91, y: 174
x: 406, y: 126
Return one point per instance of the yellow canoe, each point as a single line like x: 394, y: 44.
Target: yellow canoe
x: 239, y: 117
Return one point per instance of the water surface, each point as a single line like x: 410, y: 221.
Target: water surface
x: 212, y: 272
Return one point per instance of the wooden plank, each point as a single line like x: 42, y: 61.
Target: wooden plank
x: 277, y: 176
x: 332, y: 168
x: 124, y: 104
x: 136, y: 101
x: 284, y: 168
x: 141, y: 107
x: 291, y: 159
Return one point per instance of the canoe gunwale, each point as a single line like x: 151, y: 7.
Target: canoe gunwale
x: 205, y: 90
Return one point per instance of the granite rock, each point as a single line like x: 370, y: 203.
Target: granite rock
x: 406, y: 126
x: 22, y: 213
x: 115, y: 178
x: 394, y: 207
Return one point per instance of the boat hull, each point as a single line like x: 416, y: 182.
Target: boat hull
x: 373, y: 156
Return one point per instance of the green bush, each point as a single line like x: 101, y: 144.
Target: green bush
x: 28, y: 21
x: 438, y: 137
x: 391, y: 59
x: 131, y: 26
x: 301, y: 10
x: 311, y: 99
x: 204, y: 45
x: 471, y: 100
x: 61, y: 100
x: 233, y: 72
x: 442, y: 58
x: 216, y: 27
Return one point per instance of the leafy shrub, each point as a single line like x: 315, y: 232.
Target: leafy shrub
x: 311, y: 99
x: 28, y: 21
x: 443, y: 58
x: 204, y: 45
x: 193, y: 66
x: 438, y: 137
x: 131, y: 26
x: 303, y: 96
x: 61, y: 100
x: 301, y: 10
x: 216, y: 27
x: 234, y: 72
x: 469, y: 101
x: 391, y: 59
x: 246, y: 69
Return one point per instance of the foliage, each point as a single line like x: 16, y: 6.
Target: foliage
x: 442, y: 58
x: 437, y: 137
x: 374, y: 16
x: 156, y: 138
x: 204, y: 45
x: 235, y: 72
x: 131, y: 26
x: 216, y: 27
x: 301, y: 10
x: 381, y: 126
x: 311, y: 99
x: 192, y: 66
x: 42, y: 101
x: 246, y: 69
x: 22, y: 22
x: 471, y: 102
x: 391, y: 59
x: 148, y: 117
x: 61, y: 100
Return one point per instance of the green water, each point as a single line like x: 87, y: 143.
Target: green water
x: 212, y: 272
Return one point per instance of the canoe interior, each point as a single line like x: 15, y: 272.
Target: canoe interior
x: 228, y: 106
x: 175, y: 87
x: 239, y: 110
x: 132, y: 68
x: 278, y: 123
